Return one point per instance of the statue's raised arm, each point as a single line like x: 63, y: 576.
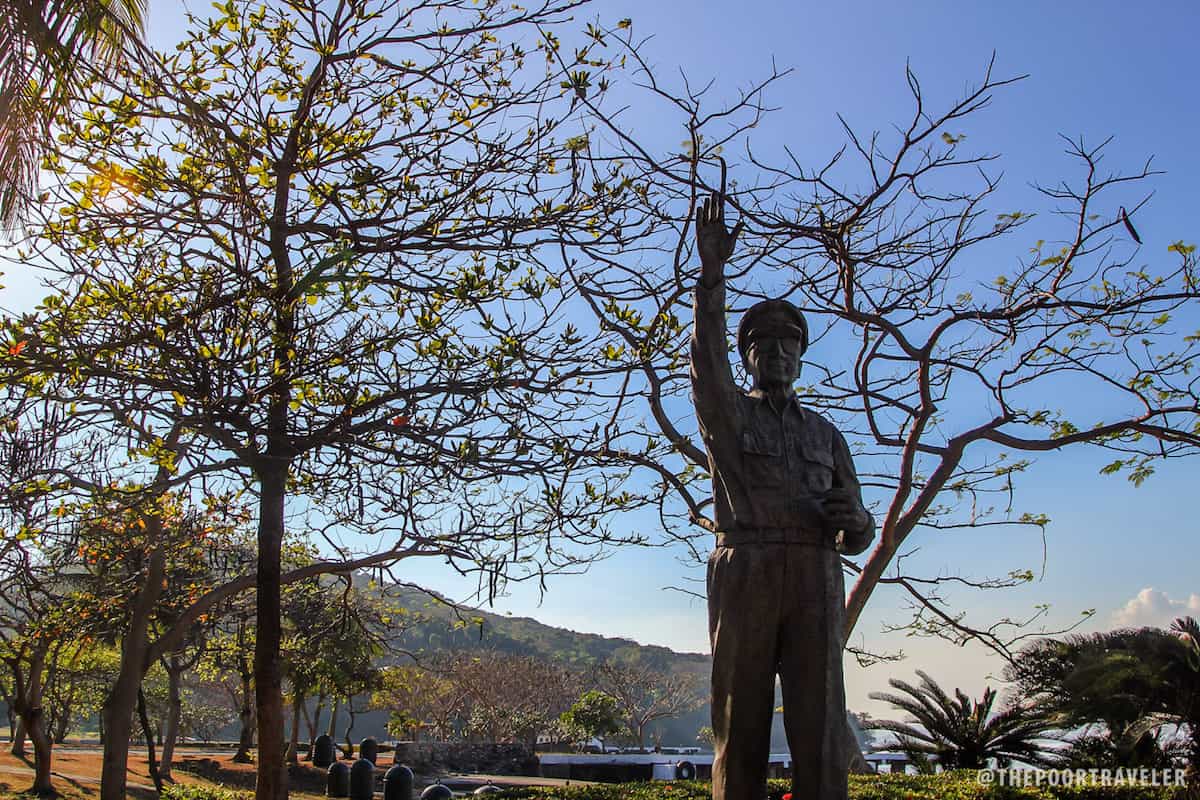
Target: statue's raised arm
x: 713, y: 389
x: 714, y: 242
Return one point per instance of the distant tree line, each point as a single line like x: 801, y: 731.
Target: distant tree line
x: 500, y: 697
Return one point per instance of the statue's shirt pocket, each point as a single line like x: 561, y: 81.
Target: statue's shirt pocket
x: 815, y: 453
x: 762, y: 460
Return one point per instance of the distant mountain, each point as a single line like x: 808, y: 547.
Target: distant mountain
x: 434, y: 626
x: 464, y: 628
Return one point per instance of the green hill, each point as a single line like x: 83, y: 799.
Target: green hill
x: 455, y: 629
x: 436, y: 626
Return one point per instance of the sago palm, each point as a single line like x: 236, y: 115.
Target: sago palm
x: 46, y: 49
x: 1185, y: 683
x: 960, y: 732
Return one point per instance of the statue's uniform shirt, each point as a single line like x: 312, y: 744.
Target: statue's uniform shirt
x: 771, y: 467
x: 775, y: 588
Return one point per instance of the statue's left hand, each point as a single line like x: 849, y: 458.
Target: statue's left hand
x: 844, y: 512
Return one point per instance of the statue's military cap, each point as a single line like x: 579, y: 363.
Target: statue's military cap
x: 775, y: 318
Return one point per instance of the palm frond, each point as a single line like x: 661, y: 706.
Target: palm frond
x: 963, y: 732
x: 47, y: 49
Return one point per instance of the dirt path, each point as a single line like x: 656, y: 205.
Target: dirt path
x: 75, y: 780
x: 80, y: 770
x: 79, y: 766
x: 77, y: 771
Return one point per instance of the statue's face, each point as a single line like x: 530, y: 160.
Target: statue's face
x: 773, y: 362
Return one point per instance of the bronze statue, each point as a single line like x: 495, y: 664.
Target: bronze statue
x: 787, y: 504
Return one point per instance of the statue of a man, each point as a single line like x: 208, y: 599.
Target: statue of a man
x: 787, y: 504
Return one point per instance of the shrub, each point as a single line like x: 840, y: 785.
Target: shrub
x: 961, y: 785
x: 179, y: 792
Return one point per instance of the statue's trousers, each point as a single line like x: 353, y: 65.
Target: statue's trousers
x: 777, y: 608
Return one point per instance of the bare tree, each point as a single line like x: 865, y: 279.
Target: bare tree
x: 421, y: 701
x: 512, y: 698
x: 484, y: 696
x: 645, y: 694
x: 956, y: 373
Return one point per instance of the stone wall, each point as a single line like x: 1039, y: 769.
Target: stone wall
x: 488, y: 758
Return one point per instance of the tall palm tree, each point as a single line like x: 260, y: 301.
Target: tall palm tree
x: 47, y: 47
x: 960, y: 732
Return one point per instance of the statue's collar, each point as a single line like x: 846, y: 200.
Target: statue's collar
x: 760, y: 398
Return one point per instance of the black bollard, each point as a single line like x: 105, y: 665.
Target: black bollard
x: 491, y: 788
x: 337, y: 784
x: 398, y: 783
x: 323, y: 751
x: 368, y: 748
x: 437, y: 792
x: 362, y: 780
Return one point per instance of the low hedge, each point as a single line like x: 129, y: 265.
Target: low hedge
x: 965, y: 785
x: 962, y: 785
x: 181, y: 792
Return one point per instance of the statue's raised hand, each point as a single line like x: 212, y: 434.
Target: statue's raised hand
x: 713, y: 241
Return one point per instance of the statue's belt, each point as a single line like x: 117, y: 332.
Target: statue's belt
x: 747, y: 536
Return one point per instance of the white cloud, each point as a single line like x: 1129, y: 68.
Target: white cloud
x: 1154, y: 608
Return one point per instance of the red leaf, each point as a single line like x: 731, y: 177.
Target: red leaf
x: 399, y: 421
x: 16, y: 348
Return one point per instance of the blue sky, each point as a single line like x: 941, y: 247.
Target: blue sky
x: 1097, y: 69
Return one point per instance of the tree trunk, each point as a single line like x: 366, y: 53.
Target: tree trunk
x: 27, y: 702
x: 268, y: 669
x: 122, y: 699
x: 311, y: 726
x: 64, y: 725
x: 637, y: 732
x: 151, y: 761
x: 18, y: 738
x: 59, y: 723
x: 293, y: 753
x: 350, y: 727
x: 174, y: 714
x: 35, y: 724
x: 117, y: 717
x: 246, y: 737
x: 333, y: 712
x: 315, y: 719
x: 246, y: 716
